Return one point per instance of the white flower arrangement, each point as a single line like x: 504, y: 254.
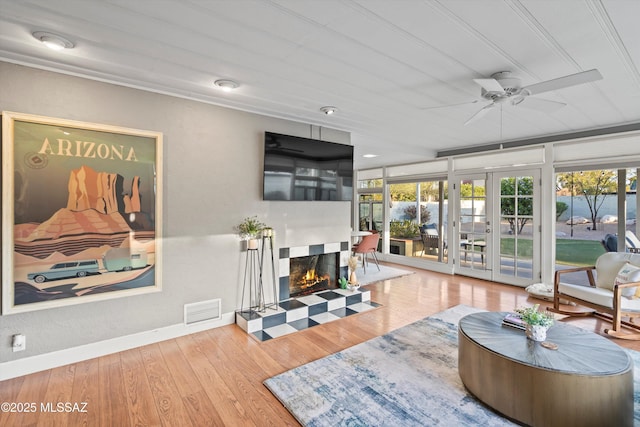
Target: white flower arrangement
x: 250, y: 228
x: 532, y: 316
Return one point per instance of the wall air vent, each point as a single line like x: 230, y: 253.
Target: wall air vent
x: 202, y: 311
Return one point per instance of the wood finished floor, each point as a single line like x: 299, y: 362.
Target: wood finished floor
x: 214, y: 378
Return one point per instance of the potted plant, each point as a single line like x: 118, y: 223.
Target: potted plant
x: 404, y: 229
x: 250, y: 229
x: 536, y: 322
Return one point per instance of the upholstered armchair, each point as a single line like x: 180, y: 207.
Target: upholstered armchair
x: 613, y: 292
x: 368, y: 245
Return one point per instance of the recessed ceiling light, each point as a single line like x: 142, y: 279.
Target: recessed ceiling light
x: 369, y: 156
x: 226, y: 85
x: 329, y: 110
x: 53, y: 41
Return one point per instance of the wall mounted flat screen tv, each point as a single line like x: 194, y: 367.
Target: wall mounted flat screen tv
x: 306, y: 169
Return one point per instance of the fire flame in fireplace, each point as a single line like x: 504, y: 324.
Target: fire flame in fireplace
x: 310, y: 278
x: 313, y: 273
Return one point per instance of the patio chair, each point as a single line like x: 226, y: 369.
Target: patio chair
x: 610, y: 242
x: 368, y: 245
x: 631, y: 242
x: 431, y: 239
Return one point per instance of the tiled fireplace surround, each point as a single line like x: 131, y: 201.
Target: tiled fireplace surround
x: 293, y: 314
x: 301, y: 251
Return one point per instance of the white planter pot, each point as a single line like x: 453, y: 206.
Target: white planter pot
x: 252, y: 244
x: 536, y: 332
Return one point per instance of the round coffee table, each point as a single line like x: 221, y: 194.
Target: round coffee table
x: 587, y: 381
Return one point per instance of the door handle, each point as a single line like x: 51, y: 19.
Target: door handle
x: 488, y: 230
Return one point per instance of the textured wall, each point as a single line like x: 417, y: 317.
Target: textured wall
x: 212, y: 180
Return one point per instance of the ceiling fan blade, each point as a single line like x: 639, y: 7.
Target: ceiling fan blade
x: 480, y: 113
x: 450, y: 105
x: 490, y: 85
x: 538, y: 104
x: 562, y: 82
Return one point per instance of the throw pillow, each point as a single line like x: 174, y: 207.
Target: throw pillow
x: 607, y: 267
x: 627, y: 274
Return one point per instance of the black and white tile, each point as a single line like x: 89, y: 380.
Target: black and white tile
x: 304, y: 312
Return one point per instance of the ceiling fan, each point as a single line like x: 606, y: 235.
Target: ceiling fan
x: 505, y: 89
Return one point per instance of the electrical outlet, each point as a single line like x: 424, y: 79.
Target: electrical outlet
x: 19, y: 342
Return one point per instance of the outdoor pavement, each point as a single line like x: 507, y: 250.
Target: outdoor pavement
x: 585, y: 232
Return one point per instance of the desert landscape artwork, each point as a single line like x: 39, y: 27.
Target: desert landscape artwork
x: 83, y: 224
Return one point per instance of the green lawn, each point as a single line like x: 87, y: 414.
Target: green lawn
x: 525, y: 247
x: 578, y: 252
x: 568, y: 251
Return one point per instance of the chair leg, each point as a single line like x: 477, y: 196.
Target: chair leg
x: 571, y: 313
x: 619, y: 330
x: 622, y: 335
x: 617, y: 320
x: 375, y: 257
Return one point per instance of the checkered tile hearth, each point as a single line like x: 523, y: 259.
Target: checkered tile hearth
x: 304, y: 312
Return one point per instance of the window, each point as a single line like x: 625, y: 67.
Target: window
x: 370, y: 183
x: 370, y: 212
x: 589, y: 220
x: 418, y: 219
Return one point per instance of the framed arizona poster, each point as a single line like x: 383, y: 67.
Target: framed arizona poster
x: 81, y: 212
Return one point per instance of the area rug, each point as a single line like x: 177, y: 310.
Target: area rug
x: 373, y: 275
x: 408, y: 377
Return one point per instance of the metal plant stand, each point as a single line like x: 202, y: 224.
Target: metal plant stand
x: 254, y: 279
x: 269, y: 238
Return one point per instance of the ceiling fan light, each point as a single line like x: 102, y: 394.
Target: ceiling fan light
x: 53, y: 41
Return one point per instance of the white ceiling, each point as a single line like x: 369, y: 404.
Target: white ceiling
x: 383, y: 63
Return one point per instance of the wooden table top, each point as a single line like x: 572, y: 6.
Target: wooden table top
x: 579, y: 351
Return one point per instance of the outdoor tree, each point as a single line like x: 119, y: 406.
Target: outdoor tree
x: 430, y: 191
x: 467, y: 189
x: 407, y: 192
x: 411, y: 212
x: 593, y: 185
x: 516, y: 203
x: 561, y: 207
x: 403, y: 192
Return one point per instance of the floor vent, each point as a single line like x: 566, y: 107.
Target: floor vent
x: 201, y: 311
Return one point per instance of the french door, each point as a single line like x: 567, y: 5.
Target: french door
x: 473, y: 226
x: 498, y: 226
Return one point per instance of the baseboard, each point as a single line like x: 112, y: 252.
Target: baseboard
x: 417, y: 263
x: 41, y: 362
